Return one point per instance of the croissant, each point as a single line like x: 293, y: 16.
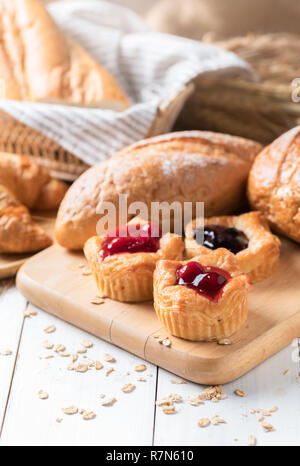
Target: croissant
x: 18, y: 232
x: 39, y: 63
x: 31, y: 184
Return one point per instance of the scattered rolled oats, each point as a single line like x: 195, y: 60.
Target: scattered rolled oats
x: 264, y: 412
x: 109, y: 358
x: 140, y: 368
x: 87, y: 344
x: 164, y: 402
x: 128, y: 388
x: 58, y: 420
x: 175, y: 398
x: 204, y: 422
x: 195, y: 401
x: 6, y: 352
x: 259, y: 417
x: 178, y: 381
x: 142, y: 379
x: 224, y: 341
x: 97, y: 300
x: 43, y: 395
x: 273, y: 410
x: 109, y: 371
x: 81, y: 351
x: 240, y: 393
x: 74, y: 357
x: 89, y: 416
x: 287, y: 372
x: 26, y: 313
x: 32, y: 312
x: 217, y: 420
x: 59, y: 348
x: 50, y: 356
x: 98, y: 366
x: 109, y: 402
x: 267, y: 427
x: 48, y: 345
x: 169, y: 409
x: 252, y: 441
x: 167, y: 342
x: 71, y: 367
x: 213, y: 393
x: 82, y: 368
x: 50, y: 329
x: 70, y: 410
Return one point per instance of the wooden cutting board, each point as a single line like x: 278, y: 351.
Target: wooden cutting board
x: 54, y: 281
x: 10, y: 263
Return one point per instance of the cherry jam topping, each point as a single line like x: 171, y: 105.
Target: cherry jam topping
x: 207, y: 281
x: 130, y: 239
x: 219, y: 236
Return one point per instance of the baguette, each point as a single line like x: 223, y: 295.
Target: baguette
x: 39, y: 63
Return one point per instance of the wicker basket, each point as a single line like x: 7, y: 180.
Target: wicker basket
x: 15, y: 137
x: 260, y: 111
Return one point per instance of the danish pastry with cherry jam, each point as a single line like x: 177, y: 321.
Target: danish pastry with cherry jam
x: 204, y: 299
x: 124, y: 260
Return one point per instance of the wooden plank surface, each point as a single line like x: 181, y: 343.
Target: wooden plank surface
x: 31, y: 421
x: 12, y: 306
x: 266, y: 386
x: 273, y: 322
x: 130, y: 421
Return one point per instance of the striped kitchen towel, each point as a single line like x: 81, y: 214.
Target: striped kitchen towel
x: 150, y: 66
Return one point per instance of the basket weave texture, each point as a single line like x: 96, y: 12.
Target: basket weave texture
x: 15, y: 137
x: 261, y: 110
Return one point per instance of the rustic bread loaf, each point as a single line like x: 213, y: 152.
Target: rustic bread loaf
x: 274, y: 184
x: 39, y: 63
x: 187, y: 166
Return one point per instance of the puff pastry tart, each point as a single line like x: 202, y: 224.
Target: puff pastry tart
x: 204, y: 299
x: 247, y: 236
x: 123, y: 262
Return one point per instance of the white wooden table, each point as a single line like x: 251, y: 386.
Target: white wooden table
x: 134, y: 419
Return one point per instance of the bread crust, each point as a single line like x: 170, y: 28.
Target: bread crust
x: 38, y: 62
x: 30, y: 183
x: 190, y: 166
x: 186, y: 314
x: 274, y: 184
x: 18, y: 233
x: 260, y: 259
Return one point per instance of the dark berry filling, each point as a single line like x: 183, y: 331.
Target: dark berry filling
x: 131, y: 239
x: 219, y: 236
x: 207, y: 281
